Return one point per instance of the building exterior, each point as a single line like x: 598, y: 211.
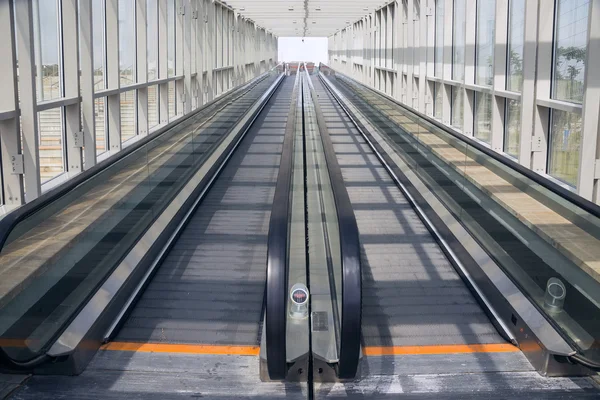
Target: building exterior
x: 520, y: 76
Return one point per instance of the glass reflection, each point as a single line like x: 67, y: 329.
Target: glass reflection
x: 98, y: 19
x: 512, y: 130
x: 565, y: 141
x: 127, y: 42
x: 51, y: 144
x: 152, y: 33
x: 570, y: 49
x: 439, y: 38
x: 128, y: 107
x: 516, y: 39
x: 458, y: 45
x: 486, y: 21
x: 458, y: 105
x: 437, y: 105
x: 482, y: 128
x: 46, y: 30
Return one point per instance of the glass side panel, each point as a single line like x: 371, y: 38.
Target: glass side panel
x: 152, y: 36
x: 565, y: 146
x: 439, y: 38
x: 512, y: 129
x: 458, y: 106
x: 171, y: 39
x: 51, y: 131
x: 482, y: 128
x: 127, y: 42
x: 486, y: 24
x: 172, y: 110
x: 47, y: 39
x: 128, y: 115
x: 98, y: 18
x: 516, y: 42
x: 100, y: 115
x: 458, y: 44
x: 55, y: 258
x: 438, y: 104
x: 570, y: 49
x: 153, y: 106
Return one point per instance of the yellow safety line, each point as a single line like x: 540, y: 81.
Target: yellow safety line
x: 439, y: 349
x: 237, y: 350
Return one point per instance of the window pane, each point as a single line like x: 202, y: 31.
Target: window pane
x: 486, y: 20
x: 152, y: 32
x: 516, y: 39
x: 439, y: 38
x: 512, y: 130
x: 98, y: 38
x: 437, y: 105
x: 128, y: 108
x: 127, y: 41
x: 171, y: 39
x: 47, y: 44
x: 99, y: 112
x: 152, y: 106
x: 457, y: 108
x: 482, y: 129
x: 570, y: 49
x: 565, y: 139
x: 171, y: 100
x: 458, y: 46
x: 51, y: 143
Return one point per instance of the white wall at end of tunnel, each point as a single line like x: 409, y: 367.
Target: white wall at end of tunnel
x: 313, y: 49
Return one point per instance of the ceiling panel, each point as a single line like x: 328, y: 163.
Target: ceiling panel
x: 304, y: 17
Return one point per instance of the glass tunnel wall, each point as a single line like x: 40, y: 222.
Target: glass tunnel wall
x: 90, y: 77
x: 515, y: 75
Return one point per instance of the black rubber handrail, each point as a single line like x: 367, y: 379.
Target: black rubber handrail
x: 351, y: 318
x: 277, y: 254
x: 572, y: 197
x: 14, y: 217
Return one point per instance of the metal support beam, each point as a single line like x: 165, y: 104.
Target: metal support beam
x: 28, y: 93
x: 10, y: 137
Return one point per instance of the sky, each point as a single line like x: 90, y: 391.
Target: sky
x: 312, y: 49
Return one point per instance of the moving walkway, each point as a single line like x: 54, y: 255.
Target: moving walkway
x: 286, y: 232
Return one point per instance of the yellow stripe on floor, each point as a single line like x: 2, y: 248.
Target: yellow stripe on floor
x: 439, y: 349
x: 183, y: 348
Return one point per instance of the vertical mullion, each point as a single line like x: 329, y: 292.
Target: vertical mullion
x: 181, y: 13
x: 163, y: 62
x: 499, y: 78
x: 542, y: 77
x: 113, y: 74
x: 70, y: 11
x: 209, y: 54
x: 27, y: 87
x: 141, y: 70
x: 187, y: 57
x: 87, y: 82
x: 10, y: 138
x: 409, y: 54
x: 425, y: 105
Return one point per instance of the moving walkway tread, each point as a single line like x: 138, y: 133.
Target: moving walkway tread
x: 209, y: 288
